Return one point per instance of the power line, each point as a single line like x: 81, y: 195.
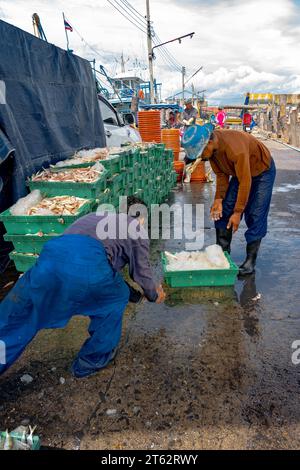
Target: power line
x: 195, y: 73
x: 133, y: 11
x: 82, y: 39
x: 168, y: 53
x: 141, y: 23
x: 169, y: 56
x: 141, y: 19
x: 167, y: 60
x: 132, y: 8
x: 123, y: 14
x: 92, y: 49
x: 163, y: 52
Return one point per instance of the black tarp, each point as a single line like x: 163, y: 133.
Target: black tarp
x: 48, y: 110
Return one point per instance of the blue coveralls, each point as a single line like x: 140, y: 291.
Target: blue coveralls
x: 258, y: 205
x: 71, y: 277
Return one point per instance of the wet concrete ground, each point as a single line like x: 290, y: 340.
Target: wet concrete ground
x: 210, y: 369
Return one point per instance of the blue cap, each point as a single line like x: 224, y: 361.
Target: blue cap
x: 195, y: 139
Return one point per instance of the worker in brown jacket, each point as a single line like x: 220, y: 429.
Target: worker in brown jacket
x: 245, y: 174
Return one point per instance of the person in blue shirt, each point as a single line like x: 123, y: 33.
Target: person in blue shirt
x: 79, y: 273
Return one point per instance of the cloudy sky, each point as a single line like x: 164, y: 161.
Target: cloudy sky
x: 243, y: 45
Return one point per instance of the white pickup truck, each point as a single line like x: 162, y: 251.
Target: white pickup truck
x: 116, y: 131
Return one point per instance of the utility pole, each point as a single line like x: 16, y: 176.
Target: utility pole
x: 123, y: 62
x: 150, y: 53
x: 183, y: 71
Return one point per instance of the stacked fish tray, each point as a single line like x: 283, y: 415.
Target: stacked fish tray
x: 144, y: 170
x: 48, y: 218
x: 92, y: 177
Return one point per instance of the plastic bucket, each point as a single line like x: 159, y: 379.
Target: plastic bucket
x: 199, y: 174
x: 150, y: 126
x: 179, y: 168
x: 171, y: 138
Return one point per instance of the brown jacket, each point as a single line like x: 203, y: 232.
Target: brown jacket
x: 238, y: 154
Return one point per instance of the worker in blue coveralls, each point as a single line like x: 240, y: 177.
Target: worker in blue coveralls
x: 245, y: 172
x: 78, y: 273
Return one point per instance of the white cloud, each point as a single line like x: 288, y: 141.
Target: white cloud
x: 245, y: 45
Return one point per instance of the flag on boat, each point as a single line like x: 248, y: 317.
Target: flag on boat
x: 68, y: 27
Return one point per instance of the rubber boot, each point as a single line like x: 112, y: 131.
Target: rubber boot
x: 248, y: 266
x: 224, y: 237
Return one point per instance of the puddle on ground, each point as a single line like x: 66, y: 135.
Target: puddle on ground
x: 286, y: 188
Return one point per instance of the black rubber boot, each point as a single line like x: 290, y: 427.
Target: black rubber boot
x: 248, y: 266
x: 224, y: 237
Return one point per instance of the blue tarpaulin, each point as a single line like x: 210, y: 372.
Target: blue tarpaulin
x: 48, y: 109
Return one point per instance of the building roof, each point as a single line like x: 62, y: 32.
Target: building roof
x: 128, y: 76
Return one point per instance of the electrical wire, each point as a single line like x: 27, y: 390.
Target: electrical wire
x: 124, y: 8
x: 133, y: 9
x: 167, y: 61
x: 82, y: 39
x: 134, y: 12
x: 141, y: 21
x: 166, y: 58
x: 122, y: 13
x: 171, y: 57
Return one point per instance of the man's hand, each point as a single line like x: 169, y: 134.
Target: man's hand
x: 216, y: 210
x: 234, y: 221
x: 161, y: 295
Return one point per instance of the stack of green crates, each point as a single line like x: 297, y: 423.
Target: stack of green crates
x: 145, y: 172
x: 29, y: 233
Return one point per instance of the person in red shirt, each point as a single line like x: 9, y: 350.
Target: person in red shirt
x: 221, y: 118
x: 247, y: 119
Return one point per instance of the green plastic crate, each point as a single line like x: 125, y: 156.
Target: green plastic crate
x: 36, y: 440
x: 115, y: 202
x: 204, y: 277
x: 139, y: 171
x: 159, y: 149
x: 117, y: 183
x: 84, y: 190
x: 139, y: 193
x: 144, y: 157
x: 128, y: 191
x: 103, y: 197
x: 28, y: 243
x: 127, y: 158
x: 22, y: 261
x: 72, y: 167
x: 139, y: 183
x: 114, y: 164
x: 168, y: 156
x: 129, y: 177
x: 23, y: 224
x: 135, y: 156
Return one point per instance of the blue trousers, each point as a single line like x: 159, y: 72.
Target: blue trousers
x: 258, y: 205
x: 71, y: 277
